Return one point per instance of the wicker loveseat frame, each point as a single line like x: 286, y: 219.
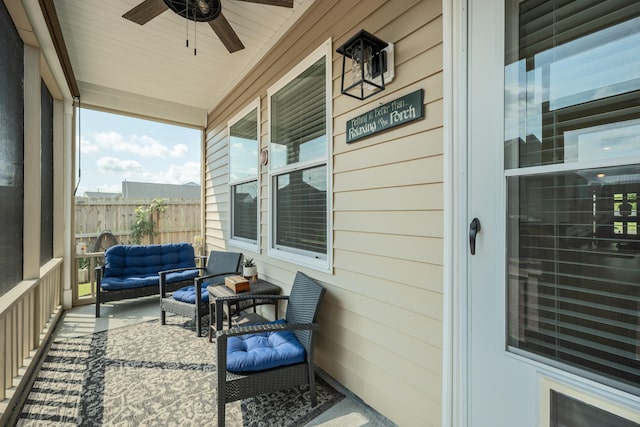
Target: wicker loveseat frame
x: 219, y: 265
x: 302, y: 310
x: 143, y: 280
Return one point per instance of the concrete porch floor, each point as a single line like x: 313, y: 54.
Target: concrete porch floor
x: 81, y: 320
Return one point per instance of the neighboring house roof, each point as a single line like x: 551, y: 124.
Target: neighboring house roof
x: 147, y: 190
x: 101, y: 195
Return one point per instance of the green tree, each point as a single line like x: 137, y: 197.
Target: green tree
x: 144, y: 225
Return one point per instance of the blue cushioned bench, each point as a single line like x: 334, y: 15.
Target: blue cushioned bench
x: 132, y: 271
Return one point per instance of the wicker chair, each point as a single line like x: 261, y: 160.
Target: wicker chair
x: 302, y: 310
x: 219, y: 266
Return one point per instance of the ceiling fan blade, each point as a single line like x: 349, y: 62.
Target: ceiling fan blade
x: 282, y: 3
x: 225, y: 33
x: 146, y: 11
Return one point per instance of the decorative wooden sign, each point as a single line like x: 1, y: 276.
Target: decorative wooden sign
x: 395, y: 113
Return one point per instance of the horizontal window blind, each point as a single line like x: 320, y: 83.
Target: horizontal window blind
x: 301, y: 210
x: 573, y: 248
x: 245, y: 211
x: 573, y: 72
x: 547, y: 24
x: 298, y: 155
x: 246, y: 127
x: 576, y: 281
x: 298, y: 118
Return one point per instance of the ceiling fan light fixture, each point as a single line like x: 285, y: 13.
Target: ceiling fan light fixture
x: 196, y: 10
x: 204, y: 6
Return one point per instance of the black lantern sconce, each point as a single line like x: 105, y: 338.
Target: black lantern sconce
x: 368, y: 65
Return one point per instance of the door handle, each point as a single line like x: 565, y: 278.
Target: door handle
x: 474, y: 229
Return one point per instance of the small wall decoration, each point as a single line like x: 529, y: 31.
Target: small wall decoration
x: 395, y: 113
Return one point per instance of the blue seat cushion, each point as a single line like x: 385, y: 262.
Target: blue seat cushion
x: 266, y: 350
x: 138, y: 281
x: 188, y: 294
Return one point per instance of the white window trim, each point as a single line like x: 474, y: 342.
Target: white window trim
x: 243, y: 244
x: 324, y: 264
x: 604, y: 398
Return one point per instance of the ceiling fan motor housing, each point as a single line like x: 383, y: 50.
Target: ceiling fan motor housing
x: 200, y: 11
x: 196, y: 10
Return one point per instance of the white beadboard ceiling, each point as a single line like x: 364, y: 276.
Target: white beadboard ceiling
x: 147, y: 70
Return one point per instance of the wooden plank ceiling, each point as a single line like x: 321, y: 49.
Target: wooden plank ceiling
x: 110, y: 54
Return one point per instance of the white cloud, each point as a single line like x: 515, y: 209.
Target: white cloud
x: 115, y: 165
x: 179, y: 150
x: 140, y: 145
x: 173, y: 174
x: 87, y: 146
x: 188, y: 172
x: 135, y: 150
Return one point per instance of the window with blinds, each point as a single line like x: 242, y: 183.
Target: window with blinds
x: 301, y: 210
x: 243, y: 176
x: 11, y: 152
x: 245, y: 211
x: 298, y: 119
x: 572, y: 165
x: 298, y: 164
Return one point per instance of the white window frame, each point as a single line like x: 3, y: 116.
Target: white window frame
x: 604, y: 398
x: 238, y: 243
x: 322, y: 264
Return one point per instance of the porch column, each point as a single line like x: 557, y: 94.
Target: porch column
x: 69, y: 204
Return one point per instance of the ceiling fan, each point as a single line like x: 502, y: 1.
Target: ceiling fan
x: 199, y: 11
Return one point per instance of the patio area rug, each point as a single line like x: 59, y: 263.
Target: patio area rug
x: 151, y: 375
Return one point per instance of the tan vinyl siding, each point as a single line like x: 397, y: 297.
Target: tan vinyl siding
x: 216, y: 190
x: 381, y: 322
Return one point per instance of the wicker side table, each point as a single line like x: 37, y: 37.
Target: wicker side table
x: 259, y: 287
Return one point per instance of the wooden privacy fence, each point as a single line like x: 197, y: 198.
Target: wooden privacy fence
x: 180, y: 221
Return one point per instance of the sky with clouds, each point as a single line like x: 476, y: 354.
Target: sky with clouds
x: 116, y: 148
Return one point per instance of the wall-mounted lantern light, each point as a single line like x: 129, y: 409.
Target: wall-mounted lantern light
x: 368, y: 65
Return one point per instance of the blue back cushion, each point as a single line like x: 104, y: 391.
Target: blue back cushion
x: 257, y: 352
x: 126, y: 260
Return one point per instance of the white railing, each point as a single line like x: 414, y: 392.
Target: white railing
x: 26, y: 315
x: 93, y: 259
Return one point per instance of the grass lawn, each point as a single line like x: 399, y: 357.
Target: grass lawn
x: 84, y: 289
